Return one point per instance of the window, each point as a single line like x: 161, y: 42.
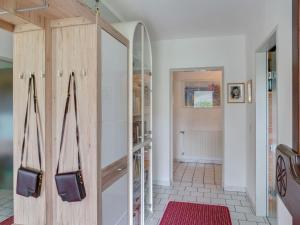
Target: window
x: 203, y: 99
x: 202, y: 94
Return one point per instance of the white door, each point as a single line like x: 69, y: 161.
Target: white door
x: 114, y: 135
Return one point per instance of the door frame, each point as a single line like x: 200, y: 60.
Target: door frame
x: 296, y: 77
x: 171, y: 97
x: 261, y: 205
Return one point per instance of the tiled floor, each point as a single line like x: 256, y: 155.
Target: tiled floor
x: 6, y: 204
x: 198, y: 173
x: 200, y: 183
x: 193, y: 182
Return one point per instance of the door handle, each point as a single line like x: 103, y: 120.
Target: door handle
x: 121, y: 169
x: 182, y: 132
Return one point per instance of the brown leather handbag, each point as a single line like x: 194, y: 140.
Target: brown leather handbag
x: 70, y: 185
x: 29, y: 180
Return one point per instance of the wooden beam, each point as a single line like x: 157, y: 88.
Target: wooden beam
x: 7, y: 26
x: 25, y: 27
x: 114, y: 172
x: 112, y: 31
x: 69, y: 22
x: 57, y: 9
x: 10, y: 6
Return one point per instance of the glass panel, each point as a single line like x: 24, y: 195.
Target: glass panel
x: 137, y: 86
x: 6, y: 140
x: 137, y: 185
x: 6, y: 125
x: 147, y: 180
x: 147, y: 88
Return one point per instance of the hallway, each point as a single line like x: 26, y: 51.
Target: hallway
x: 200, y: 183
x: 198, y: 173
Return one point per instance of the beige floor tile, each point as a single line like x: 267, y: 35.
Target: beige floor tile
x: 201, y: 183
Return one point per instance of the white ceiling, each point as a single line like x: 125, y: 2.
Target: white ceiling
x: 171, y: 19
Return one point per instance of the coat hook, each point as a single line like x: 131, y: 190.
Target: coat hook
x: 83, y: 73
x: 22, y: 76
x: 60, y: 73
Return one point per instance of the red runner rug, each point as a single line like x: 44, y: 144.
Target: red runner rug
x: 182, y: 213
x: 8, y: 221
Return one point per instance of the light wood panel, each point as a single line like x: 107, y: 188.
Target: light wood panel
x: 113, y: 172
x: 69, y: 22
x: 10, y: 6
x: 75, y: 49
x: 49, y: 121
x: 29, y: 57
x: 25, y: 27
x: 57, y: 10
x: 112, y: 31
x: 6, y: 26
x: 64, y: 46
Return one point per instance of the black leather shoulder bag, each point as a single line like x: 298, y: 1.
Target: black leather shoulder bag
x: 29, y: 180
x: 70, y: 185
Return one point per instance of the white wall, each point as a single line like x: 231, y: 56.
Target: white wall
x: 276, y: 14
x: 227, y: 52
x: 6, y: 45
x: 203, y: 127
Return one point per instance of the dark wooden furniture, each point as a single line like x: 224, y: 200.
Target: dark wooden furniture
x: 288, y: 180
x: 296, y: 77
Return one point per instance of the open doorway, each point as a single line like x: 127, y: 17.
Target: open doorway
x: 266, y: 128
x: 197, y: 130
x: 272, y: 131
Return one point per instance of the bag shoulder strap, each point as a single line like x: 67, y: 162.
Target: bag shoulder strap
x: 67, y: 105
x: 31, y: 86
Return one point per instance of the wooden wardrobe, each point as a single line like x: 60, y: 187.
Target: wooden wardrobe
x: 51, y: 44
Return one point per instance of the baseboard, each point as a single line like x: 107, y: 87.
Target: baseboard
x: 199, y: 160
x: 162, y: 182
x: 234, y: 188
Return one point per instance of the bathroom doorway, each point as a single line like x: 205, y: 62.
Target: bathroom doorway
x: 198, y: 126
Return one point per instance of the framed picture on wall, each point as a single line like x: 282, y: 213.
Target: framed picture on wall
x: 249, y: 91
x: 236, y: 92
x: 202, y: 94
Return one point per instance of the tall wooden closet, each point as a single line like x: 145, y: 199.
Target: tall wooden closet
x: 51, y: 44
x: 140, y: 119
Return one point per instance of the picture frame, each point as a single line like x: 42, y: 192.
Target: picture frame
x: 202, y: 94
x: 236, y: 92
x: 249, y: 91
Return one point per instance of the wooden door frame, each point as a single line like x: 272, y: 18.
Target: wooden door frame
x: 296, y: 77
